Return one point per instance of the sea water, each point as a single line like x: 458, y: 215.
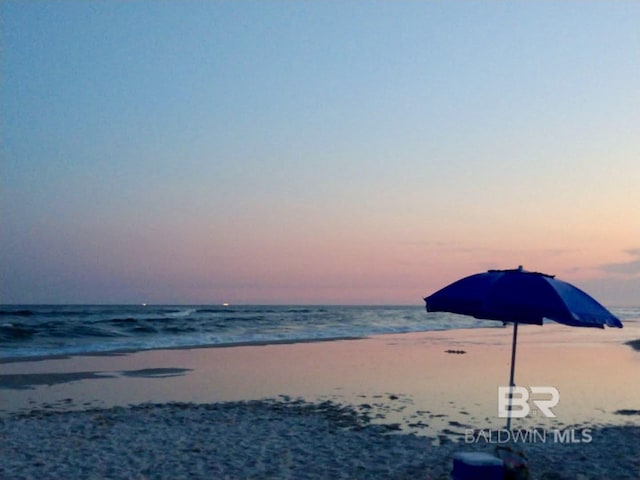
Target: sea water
x: 44, y: 330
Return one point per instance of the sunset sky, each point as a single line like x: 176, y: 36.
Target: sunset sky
x: 315, y: 152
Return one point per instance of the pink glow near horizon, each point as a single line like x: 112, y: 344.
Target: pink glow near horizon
x: 363, y: 156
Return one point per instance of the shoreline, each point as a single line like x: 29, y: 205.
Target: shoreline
x: 127, y: 351
x: 634, y: 344
x: 410, y: 397
x: 27, y: 380
x: 269, y: 369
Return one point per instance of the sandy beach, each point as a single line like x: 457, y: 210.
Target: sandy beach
x: 390, y: 406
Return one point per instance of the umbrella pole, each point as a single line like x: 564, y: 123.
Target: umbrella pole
x: 513, y: 367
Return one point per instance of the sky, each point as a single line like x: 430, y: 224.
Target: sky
x: 344, y: 152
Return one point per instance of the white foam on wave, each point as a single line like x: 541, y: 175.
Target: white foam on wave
x: 181, y: 313
x: 190, y: 327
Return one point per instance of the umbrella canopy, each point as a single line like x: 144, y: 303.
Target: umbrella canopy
x: 520, y: 296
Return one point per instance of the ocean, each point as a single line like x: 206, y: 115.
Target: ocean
x: 45, y: 330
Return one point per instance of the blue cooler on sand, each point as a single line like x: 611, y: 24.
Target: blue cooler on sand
x: 477, y: 466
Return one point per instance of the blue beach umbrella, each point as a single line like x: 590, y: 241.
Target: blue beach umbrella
x: 519, y: 296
